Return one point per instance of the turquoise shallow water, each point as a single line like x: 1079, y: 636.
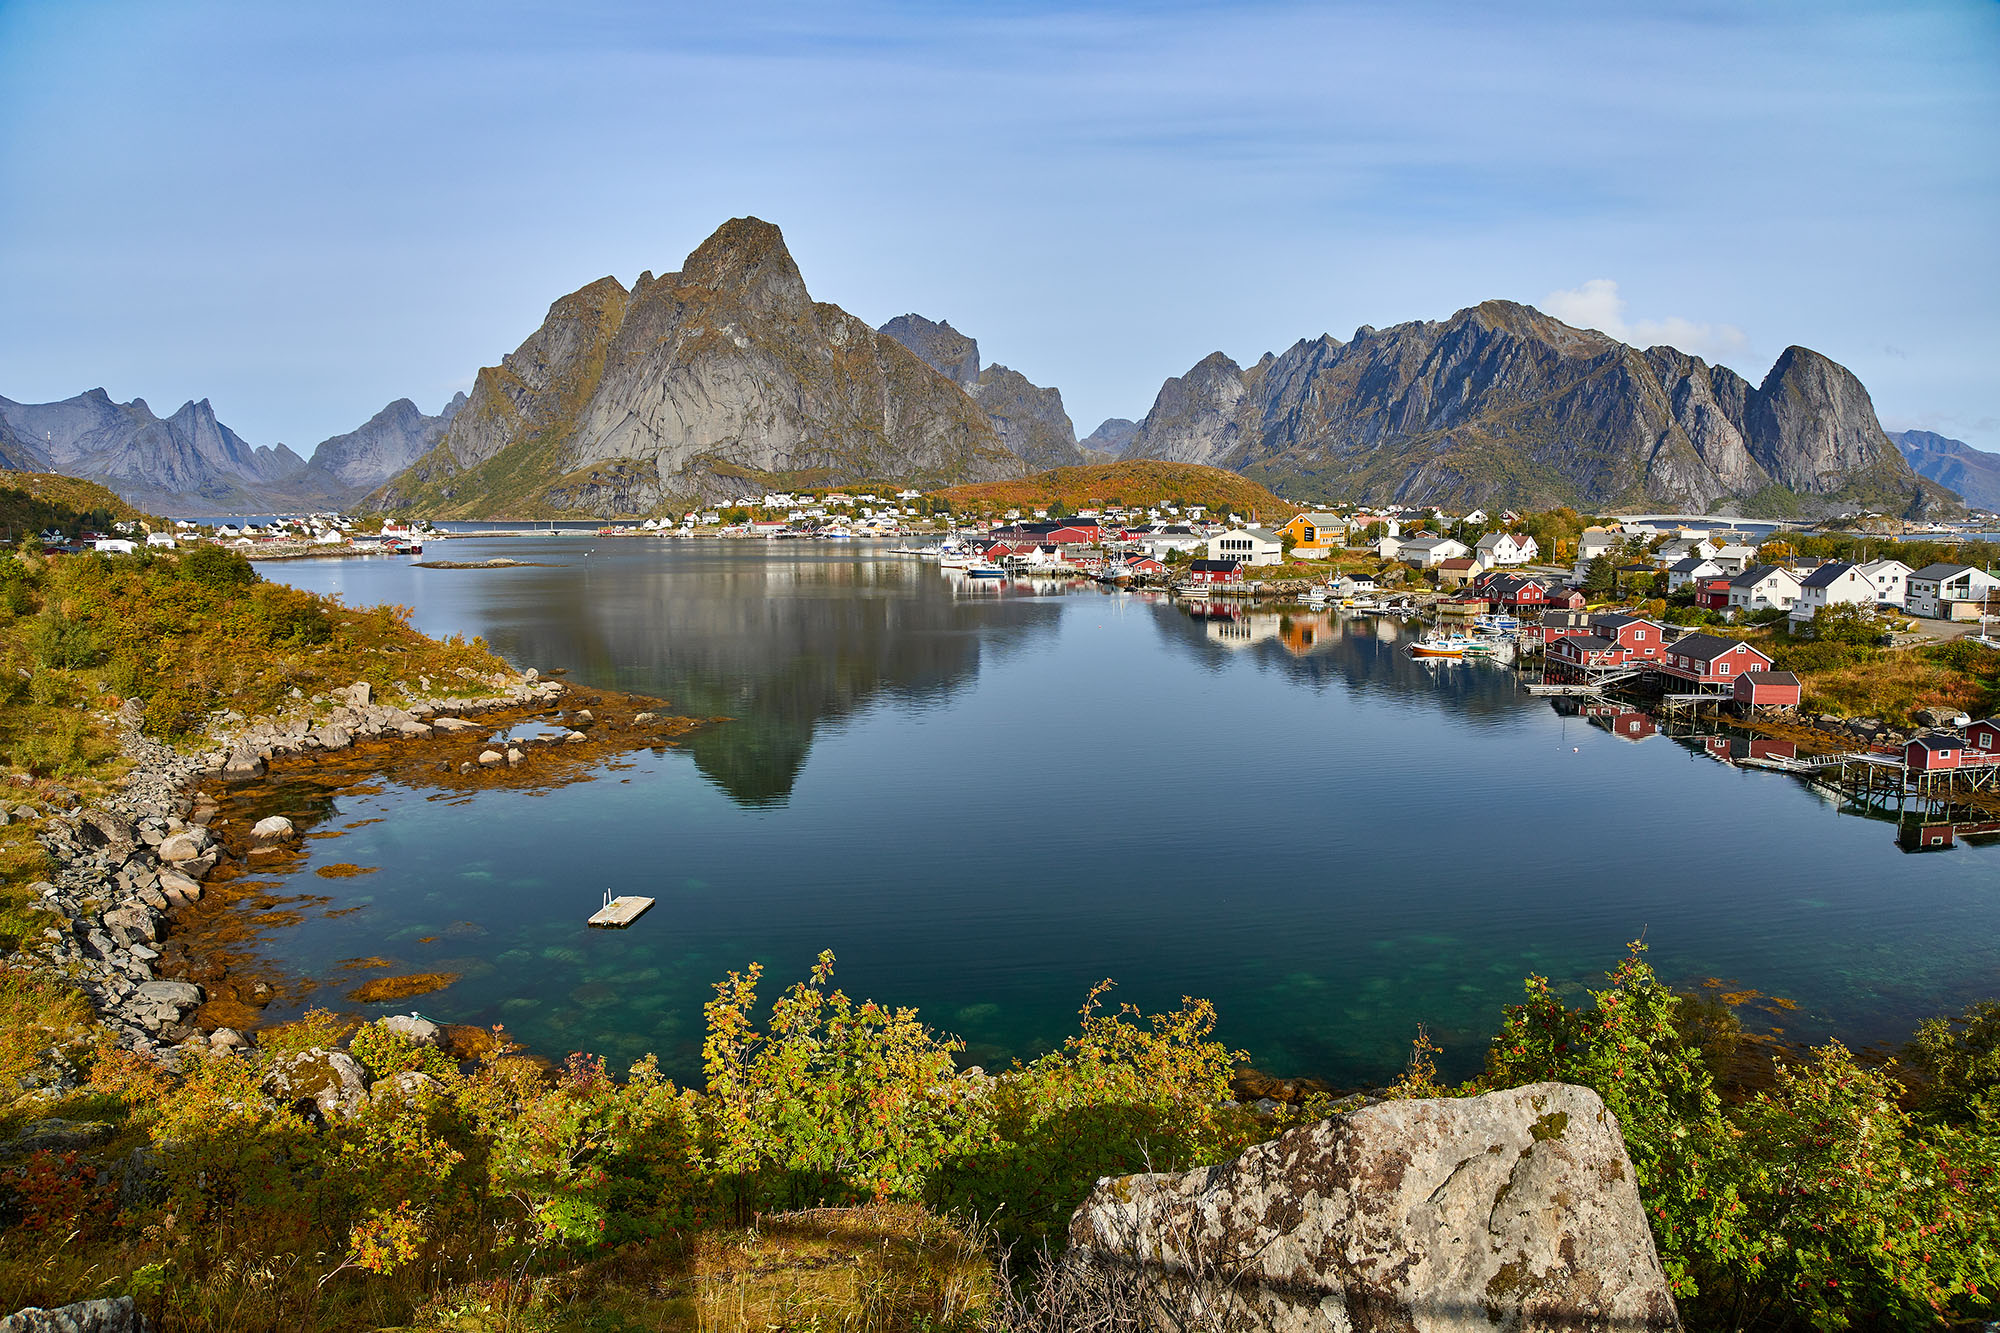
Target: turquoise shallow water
x: 986, y: 800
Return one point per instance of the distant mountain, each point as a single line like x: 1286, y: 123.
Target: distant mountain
x: 1030, y: 419
x: 1112, y: 437
x: 1973, y: 473
x: 191, y: 463
x: 713, y: 383
x: 344, y: 468
x: 1501, y: 404
x: 186, y: 460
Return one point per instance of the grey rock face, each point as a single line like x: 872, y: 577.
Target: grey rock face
x: 1114, y: 436
x: 334, y: 1081
x: 346, y: 467
x: 1501, y: 404
x: 702, y: 383
x: 112, y: 1315
x: 1516, y: 1210
x: 939, y: 346
x: 1030, y: 419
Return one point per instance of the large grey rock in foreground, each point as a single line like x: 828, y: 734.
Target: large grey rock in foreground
x: 1517, y: 1210
x: 114, y: 1315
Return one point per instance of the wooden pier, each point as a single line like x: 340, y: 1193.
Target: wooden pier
x: 618, y: 913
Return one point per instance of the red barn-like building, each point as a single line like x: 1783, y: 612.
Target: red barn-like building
x: 1767, y: 689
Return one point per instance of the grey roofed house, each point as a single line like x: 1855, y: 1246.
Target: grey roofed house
x: 1588, y: 643
x: 1940, y: 571
x: 1769, y: 678
x: 1702, y: 647
x: 1826, y: 575
x: 1755, y: 575
x: 1688, y: 566
x: 1263, y: 534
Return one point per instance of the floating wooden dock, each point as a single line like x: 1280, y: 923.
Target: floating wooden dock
x: 617, y: 913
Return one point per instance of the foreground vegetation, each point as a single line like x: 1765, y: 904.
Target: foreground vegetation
x: 503, y: 1194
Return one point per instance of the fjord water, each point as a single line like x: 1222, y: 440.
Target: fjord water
x: 985, y: 799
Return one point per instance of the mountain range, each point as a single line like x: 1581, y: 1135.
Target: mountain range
x: 1502, y: 404
x: 191, y: 463
x: 726, y: 378
x: 1973, y: 473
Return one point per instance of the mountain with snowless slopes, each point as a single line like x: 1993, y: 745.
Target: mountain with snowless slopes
x: 713, y: 383
x: 1973, y: 473
x: 190, y: 463
x: 1502, y: 404
x: 1030, y: 419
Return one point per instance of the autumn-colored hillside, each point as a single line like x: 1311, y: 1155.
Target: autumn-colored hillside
x: 1137, y: 484
x: 50, y: 499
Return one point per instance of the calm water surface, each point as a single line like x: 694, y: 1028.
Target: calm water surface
x: 984, y: 800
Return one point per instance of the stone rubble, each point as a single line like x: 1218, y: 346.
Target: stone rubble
x: 125, y: 866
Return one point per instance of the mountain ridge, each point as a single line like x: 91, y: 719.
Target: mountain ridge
x: 1503, y: 404
x: 709, y: 384
x: 1973, y: 473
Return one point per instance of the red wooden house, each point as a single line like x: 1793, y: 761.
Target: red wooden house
x: 1933, y: 753
x: 1514, y: 592
x: 1767, y: 689
x: 1712, y: 594
x: 1562, y: 625
x: 1983, y: 737
x: 1638, y: 638
x: 1710, y: 659
x: 1215, y: 571
x: 1142, y: 564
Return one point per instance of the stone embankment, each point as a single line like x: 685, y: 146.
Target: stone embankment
x: 123, y: 866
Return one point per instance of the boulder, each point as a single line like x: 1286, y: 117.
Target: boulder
x: 243, y: 764
x: 331, y: 737
x: 453, y: 724
x: 273, y: 828
x: 411, y: 1028
x: 409, y: 1086
x: 178, y: 995
x: 101, y: 828
x: 187, y: 845
x: 56, y: 1135
x: 491, y: 757
x: 1515, y: 1210
x: 115, y: 1314
x: 359, y: 694
x: 514, y: 756
x: 333, y: 1081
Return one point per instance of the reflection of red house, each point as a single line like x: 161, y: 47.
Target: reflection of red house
x: 1761, y: 748
x: 1632, y: 726
x: 1768, y: 689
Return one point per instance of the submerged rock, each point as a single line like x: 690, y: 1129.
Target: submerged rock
x: 1514, y: 1210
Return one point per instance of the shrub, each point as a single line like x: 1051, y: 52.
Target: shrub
x: 65, y: 643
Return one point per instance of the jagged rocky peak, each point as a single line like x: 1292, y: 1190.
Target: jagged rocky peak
x: 1954, y: 464
x: 1030, y: 419
x: 747, y: 258
x: 717, y: 381
x: 1114, y: 435
x: 1502, y: 403
x: 940, y: 346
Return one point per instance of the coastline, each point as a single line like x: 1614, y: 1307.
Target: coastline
x: 126, y: 866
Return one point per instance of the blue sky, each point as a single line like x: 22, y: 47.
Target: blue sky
x: 303, y: 211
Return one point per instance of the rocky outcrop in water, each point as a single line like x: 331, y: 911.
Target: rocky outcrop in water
x: 716, y: 382
x: 1515, y: 1210
x: 1501, y: 404
x: 1973, y: 473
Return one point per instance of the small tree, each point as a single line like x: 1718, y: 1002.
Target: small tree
x: 1600, y: 577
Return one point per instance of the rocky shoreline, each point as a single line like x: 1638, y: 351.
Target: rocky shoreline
x: 124, y: 865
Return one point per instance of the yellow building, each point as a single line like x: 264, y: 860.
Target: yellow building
x: 1314, y: 536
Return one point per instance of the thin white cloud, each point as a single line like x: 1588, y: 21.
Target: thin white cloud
x: 1597, y: 305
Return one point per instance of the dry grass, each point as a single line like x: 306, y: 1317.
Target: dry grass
x: 1892, y: 686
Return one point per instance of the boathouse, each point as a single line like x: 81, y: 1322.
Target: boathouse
x: 1563, y: 625
x: 1710, y: 659
x: 1984, y: 736
x: 1767, y: 689
x: 1215, y: 571
x: 1639, y: 639
x: 1932, y: 753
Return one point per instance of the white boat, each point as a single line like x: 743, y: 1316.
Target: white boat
x: 984, y: 570
x: 1435, y: 644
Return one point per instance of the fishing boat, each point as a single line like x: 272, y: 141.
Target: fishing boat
x: 984, y: 570
x: 1435, y: 644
